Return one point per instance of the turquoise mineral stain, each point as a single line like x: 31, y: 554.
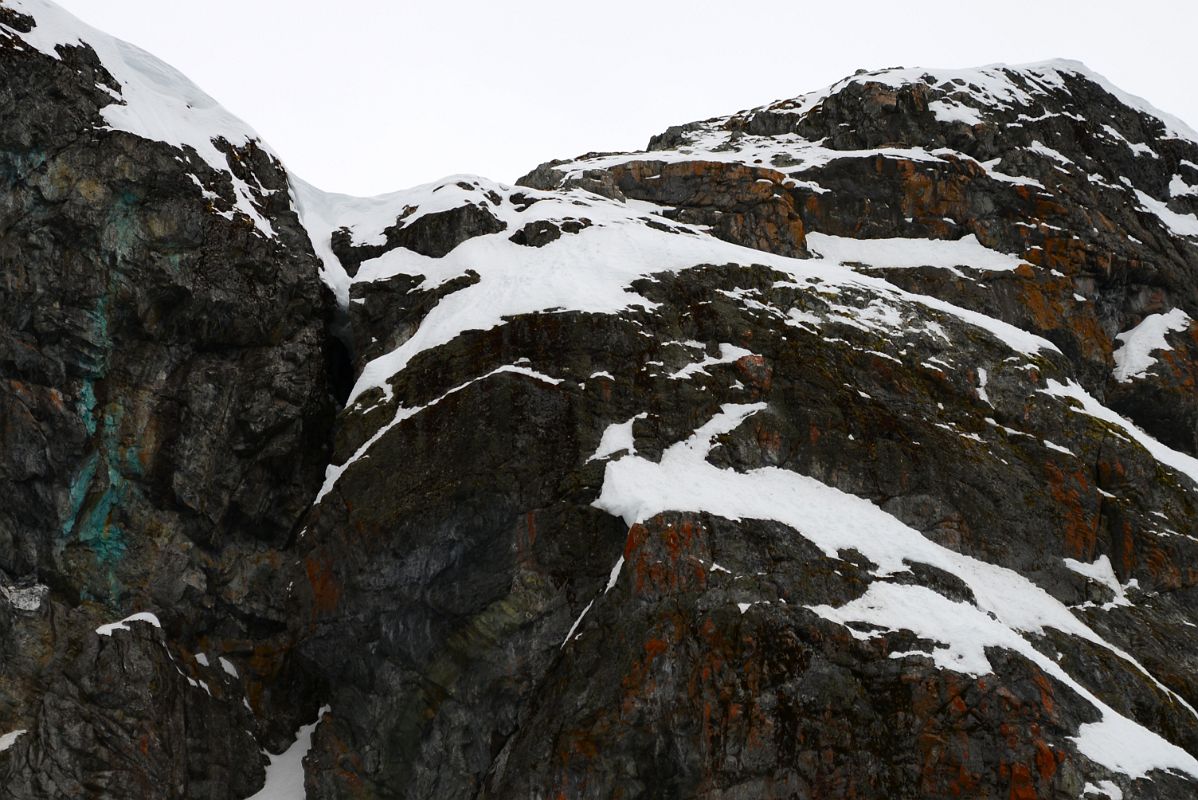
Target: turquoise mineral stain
x: 122, y: 229
x: 86, y: 406
x: 78, y: 492
x: 100, y: 487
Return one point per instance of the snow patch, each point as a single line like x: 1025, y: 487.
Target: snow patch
x: 614, y: 576
x: 1179, y: 188
x: 1107, y: 788
x: 577, y: 622
x: 590, y: 271
x: 1008, y: 604
x: 333, y: 472
x: 285, y: 773
x: 728, y: 354
x: 1058, y: 448
x: 991, y: 168
x: 1085, y: 404
x: 9, y: 739
x: 617, y: 437
x: 949, y: 111
x: 155, y: 101
x: 1180, y: 224
x: 910, y: 253
x: 983, y: 379
x: 141, y: 616
x: 27, y: 598
x: 1039, y: 148
x: 1134, y: 358
x: 1103, y: 573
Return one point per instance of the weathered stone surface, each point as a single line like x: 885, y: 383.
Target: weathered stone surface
x: 524, y: 658
x: 891, y: 166
x: 484, y: 600
x: 666, y: 687
x: 164, y: 418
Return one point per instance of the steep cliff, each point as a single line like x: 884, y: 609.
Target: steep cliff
x: 841, y: 447
x: 164, y: 421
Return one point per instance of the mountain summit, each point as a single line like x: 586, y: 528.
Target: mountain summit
x: 842, y: 447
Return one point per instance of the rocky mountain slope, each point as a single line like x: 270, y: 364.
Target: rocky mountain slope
x: 842, y: 447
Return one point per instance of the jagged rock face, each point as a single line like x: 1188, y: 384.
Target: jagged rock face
x: 793, y: 457
x: 164, y: 419
x: 1043, y: 163
x: 834, y: 497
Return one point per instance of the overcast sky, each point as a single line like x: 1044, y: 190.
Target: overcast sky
x: 369, y: 96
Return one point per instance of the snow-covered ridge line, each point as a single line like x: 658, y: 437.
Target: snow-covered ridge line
x: 590, y: 271
x: 367, y: 218
x: 992, y: 84
x: 155, y: 101
x: 973, y: 95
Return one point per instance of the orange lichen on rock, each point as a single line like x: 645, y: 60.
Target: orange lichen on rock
x: 325, y: 590
x: 1051, y: 306
x: 744, y: 204
x: 665, y: 558
x: 1079, y: 522
x: 755, y: 371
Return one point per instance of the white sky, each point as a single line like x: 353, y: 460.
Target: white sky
x: 370, y: 96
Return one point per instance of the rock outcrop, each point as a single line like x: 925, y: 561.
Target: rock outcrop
x: 165, y: 414
x: 842, y: 447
